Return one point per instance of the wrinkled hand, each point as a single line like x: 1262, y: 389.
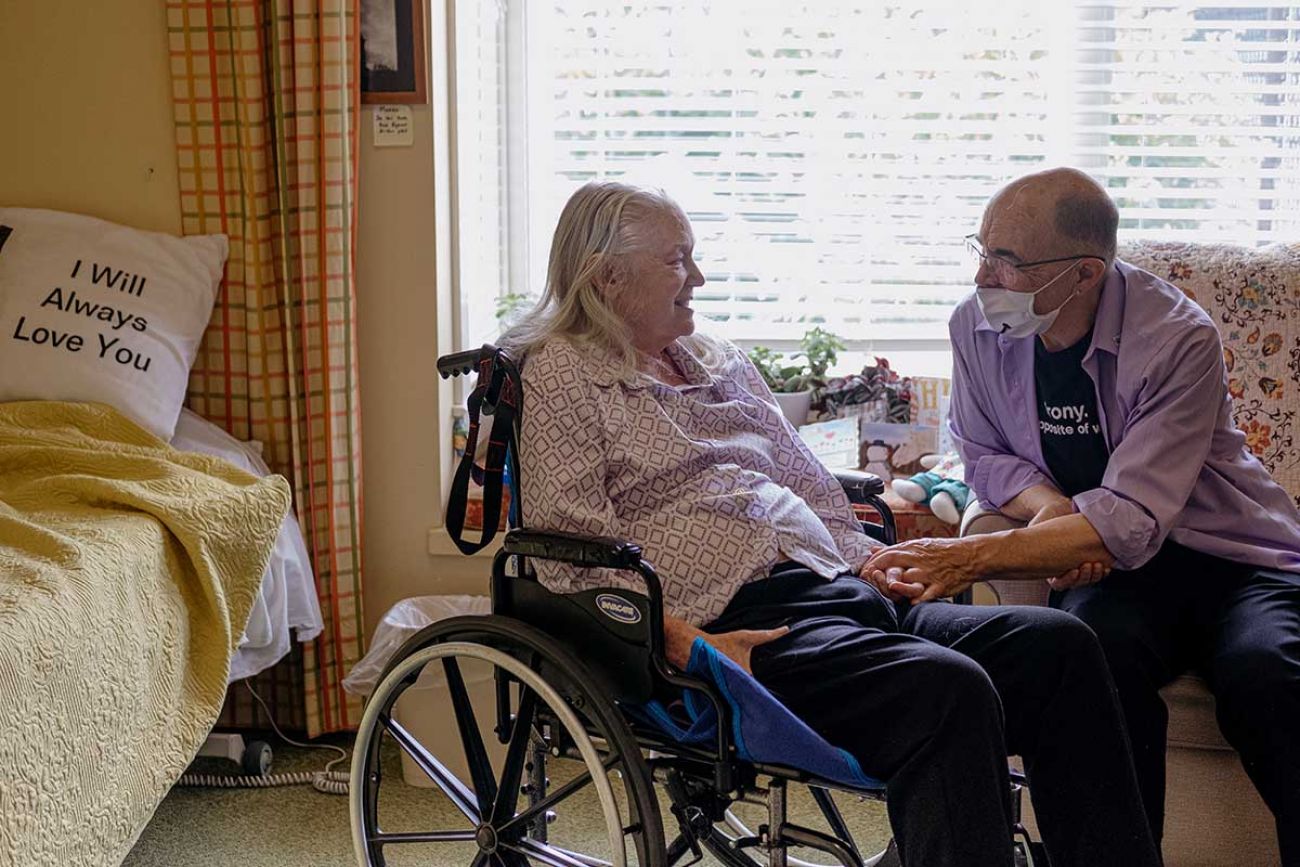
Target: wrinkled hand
x: 1087, y: 573
x: 1055, y: 509
x: 739, y: 645
x: 921, y: 570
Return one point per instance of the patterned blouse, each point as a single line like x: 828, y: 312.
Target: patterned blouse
x: 707, y: 477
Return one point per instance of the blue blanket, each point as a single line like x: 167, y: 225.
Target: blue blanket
x: 763, y: 729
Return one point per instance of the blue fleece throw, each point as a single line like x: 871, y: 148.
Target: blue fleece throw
x: 763, y: 729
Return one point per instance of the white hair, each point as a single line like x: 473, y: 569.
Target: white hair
x: 601, y: 224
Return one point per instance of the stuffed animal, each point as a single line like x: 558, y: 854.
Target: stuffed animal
x: 941, y: 487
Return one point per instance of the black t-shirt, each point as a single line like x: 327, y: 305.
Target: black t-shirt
x: 1068, y: 424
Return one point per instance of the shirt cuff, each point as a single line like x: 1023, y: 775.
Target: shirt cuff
x: 1129, y: 533
x: 999, y: 479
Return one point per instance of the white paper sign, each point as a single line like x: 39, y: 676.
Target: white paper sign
x: 393, y: 126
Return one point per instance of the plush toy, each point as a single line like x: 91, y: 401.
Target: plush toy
x: 940, y: 486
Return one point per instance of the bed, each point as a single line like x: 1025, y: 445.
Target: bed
x: 136, y: 581
x: 147, y: 558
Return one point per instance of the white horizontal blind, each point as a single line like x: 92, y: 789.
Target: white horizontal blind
x: 832, y: 153
x: 481, y: 168
x: 1190, y: 114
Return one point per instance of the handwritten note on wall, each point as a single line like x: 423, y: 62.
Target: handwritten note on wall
x: 393, y: 126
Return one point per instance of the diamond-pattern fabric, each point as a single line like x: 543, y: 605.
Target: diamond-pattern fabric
x: 708, y: 477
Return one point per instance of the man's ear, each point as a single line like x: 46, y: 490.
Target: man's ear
x: 1091, y: 270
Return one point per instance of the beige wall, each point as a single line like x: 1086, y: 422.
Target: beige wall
x: 85, y: 110
x: 87, y: 127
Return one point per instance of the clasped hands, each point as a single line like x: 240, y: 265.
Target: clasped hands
x: 925, y: 569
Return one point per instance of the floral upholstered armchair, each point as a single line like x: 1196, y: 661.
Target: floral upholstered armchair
x: 1213, y: 815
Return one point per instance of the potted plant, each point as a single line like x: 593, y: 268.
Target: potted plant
x: 794, y: 385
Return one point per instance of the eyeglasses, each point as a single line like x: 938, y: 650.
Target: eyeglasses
x: 1003, y: 266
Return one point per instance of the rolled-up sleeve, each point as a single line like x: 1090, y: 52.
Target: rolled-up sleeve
x: 1167, y: 437
x: 993, y: 471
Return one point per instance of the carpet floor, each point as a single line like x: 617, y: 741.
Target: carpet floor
x: 297, y: 826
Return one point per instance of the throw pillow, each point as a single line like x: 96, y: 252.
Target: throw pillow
x: 94, y: 311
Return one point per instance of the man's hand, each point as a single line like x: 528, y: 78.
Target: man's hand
x: 1057, y: 508
x: 1026, y: 505
x: 924, y: 569
x: 1087, y: 573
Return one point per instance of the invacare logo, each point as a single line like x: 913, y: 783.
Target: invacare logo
x: 618, y: 608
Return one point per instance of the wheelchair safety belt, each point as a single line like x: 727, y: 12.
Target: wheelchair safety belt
x: 503, y: 407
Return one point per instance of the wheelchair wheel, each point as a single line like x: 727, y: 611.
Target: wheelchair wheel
x: 589, y: 797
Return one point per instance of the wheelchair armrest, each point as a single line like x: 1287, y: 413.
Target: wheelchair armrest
x: 577, y: 550
x: 859, y: 485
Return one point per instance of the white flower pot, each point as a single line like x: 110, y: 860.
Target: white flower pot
x: 795, y: 405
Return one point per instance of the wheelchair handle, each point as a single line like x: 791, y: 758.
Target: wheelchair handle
x: 858, y: 486
x: 461, y: 363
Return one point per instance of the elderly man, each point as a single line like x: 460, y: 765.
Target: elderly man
x: 1090, y: 399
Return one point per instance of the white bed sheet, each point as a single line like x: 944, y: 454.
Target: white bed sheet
x: 287, y: 602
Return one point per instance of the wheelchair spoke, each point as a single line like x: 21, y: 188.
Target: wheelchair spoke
x: 452, y: 787
x: 480, y: 769
x: 552, y: 856
x: 505, y: 858
x: 552, y: 799
x: 385, y: 839
x: 520, y: 740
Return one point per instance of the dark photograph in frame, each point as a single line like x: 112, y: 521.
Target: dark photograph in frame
x: 392, y: 51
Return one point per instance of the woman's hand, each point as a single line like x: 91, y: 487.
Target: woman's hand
x: 738, y: 645
x: 923, y: 569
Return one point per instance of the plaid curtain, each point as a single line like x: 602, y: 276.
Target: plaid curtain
x: 266, y: 99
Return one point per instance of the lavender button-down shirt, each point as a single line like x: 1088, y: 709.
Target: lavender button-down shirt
x: 708, y: 478
x: 1179, y: 469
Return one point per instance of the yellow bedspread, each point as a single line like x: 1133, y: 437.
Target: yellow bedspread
x: 127, y: 571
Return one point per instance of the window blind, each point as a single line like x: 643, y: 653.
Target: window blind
x: 831, y: 154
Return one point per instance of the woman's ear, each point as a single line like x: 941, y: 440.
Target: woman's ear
x: 608, y: 277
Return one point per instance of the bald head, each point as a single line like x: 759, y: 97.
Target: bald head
x: 1056, y: 212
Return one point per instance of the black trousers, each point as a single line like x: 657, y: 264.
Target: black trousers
x: 932, y: 699
x: 1236, y: 625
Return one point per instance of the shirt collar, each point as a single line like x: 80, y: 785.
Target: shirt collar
x: 1109, y: 321
x: 604, y: 369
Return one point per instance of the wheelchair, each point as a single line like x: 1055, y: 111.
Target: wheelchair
x: 553, y: 679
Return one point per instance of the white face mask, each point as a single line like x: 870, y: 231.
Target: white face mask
x: 1012, y: 313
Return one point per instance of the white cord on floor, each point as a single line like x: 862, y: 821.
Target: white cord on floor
x: 329, y: 781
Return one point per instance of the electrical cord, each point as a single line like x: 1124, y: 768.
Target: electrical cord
x: 328, y: 781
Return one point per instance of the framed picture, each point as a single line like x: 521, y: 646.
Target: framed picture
x: 392, y: 51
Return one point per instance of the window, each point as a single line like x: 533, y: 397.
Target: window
x: 832, y: 154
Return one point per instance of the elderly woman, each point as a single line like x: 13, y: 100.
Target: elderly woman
x: 640, y: 429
